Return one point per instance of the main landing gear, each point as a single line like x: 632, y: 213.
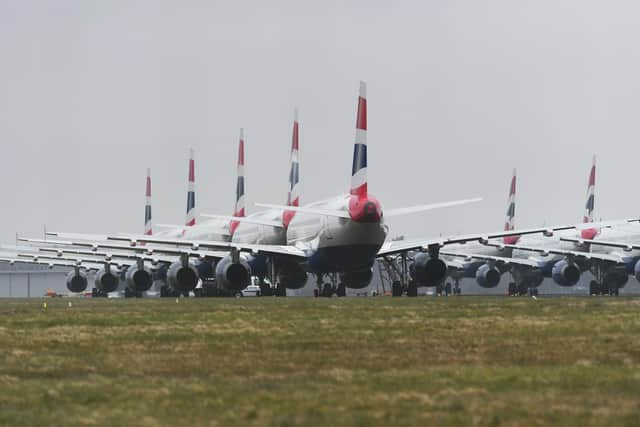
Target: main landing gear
x: 521, y: 288
x: 329, y: 289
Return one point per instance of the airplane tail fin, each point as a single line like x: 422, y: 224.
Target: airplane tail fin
x: 588, y: 213
x: 239, y: 210
x: 590, y: 233
x: 359, y: 168
x: 148, y: 229
x: 293, y: 198
x: 509, y: 223
x: 191, y: 192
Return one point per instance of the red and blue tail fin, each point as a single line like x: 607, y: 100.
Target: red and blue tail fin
x: 591, y: 188
x: 191, y: 192
x: 148, y: 229
x: 359, y: 169
x: 590, y: 233
x: 240, y: 198
x: 509, y: 223
x: 293, y: 198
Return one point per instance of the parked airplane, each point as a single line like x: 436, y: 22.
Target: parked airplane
x: 337, y: 238
x: 565, y: 259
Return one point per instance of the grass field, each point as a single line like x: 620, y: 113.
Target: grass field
x: 304, y: 361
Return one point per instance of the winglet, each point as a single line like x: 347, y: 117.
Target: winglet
x: 359, y: 168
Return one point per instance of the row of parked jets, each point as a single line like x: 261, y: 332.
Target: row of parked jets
x: 336, y: 240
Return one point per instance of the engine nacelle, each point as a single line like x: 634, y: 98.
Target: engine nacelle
x: 616, y: 277
x: 292, y: 276
x: 205, y: 269
x: 234, y: 276
x: 357, y: 279
x: 565, y: 273
x: 636, y: 270
x: 107, y: 280
x: 77, y: 281
x: 488, y: 276
x: 138, y: 279
x: 182, y: 277
x: 427, y: 271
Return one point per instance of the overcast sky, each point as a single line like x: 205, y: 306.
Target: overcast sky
x: 459, y: 92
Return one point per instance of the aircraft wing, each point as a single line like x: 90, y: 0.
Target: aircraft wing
x: 395, y: 247
x: 50, y: 263
x: 154, y: 254
x: 565, y: 252
x: 627, y: 247
x: 499, y: 259
x: 192, y: 248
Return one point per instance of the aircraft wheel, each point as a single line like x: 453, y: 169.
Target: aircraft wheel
x: 511, y: 289
x: 447, y: 288
x: 342, y: 290
x: 593, y: 288
x: 265, y: 290
x: 396, y: 289
x: 327, y: 290
x: 281, y: 291
x: 412, y: 291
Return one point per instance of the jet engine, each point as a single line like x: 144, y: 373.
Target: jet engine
x: 205, y: 269
x: 488, y: 276
x: 182, y: 276
x: 565, y: 273
x: 233, y: 274
x: 636, y: 270
x: 292, y: 276
x: 138, y: 278
x: 77, y: 281
x: 426, y: 270
x: 357, y: 279
x: 616, y: 277
x: 107, y: 280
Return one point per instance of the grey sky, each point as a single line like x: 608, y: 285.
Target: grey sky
x: 460, y: 92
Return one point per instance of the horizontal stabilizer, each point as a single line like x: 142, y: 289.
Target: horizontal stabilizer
x: 245, y: 219
x: 432, y: 206
x: 306, y: 210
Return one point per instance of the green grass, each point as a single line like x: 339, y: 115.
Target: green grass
x: 326, y: 362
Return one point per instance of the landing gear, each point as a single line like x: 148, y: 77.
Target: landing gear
x: 280, y: 291
x: 412, y: 290
x: 342, y: 290
x: 396, y: 289
x: 96, y: 293
x: 128, y: 293
x: 265, y: 289
x: 327, y: 290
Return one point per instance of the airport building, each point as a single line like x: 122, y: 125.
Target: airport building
x: 31, y: 280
